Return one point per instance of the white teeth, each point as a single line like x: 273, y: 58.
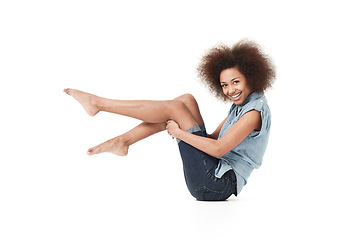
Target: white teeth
x: 237, y: 95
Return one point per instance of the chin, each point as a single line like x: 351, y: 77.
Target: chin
x: 238, y: 102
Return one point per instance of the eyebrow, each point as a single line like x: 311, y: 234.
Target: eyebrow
x: 231, y: 79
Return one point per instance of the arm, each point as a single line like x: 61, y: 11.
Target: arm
x: 218, y: 148
x: 216, y: 133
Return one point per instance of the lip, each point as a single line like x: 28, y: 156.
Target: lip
x: 235, y: 97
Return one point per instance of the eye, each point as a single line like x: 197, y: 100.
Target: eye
x: 224, y: 85
x: 236, y: 82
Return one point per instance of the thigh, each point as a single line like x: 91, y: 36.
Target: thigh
x: 191, y: 103
x: 199, y: 171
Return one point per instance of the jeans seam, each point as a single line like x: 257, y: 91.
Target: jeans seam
x: 206, y: 188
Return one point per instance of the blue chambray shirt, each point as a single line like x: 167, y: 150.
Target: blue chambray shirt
x: 248, y: 155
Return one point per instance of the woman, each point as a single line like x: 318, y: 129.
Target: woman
x: 215, y: 165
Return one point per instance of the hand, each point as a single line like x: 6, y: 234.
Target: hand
x: 172, y: 128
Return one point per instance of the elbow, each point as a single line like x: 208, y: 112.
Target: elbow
x: 212, y: 136
x: 220, y: 149
x: 219, y: 155
x: 219, y: 152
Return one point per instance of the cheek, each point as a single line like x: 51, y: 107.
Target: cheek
x: 248, y: 89
x: 224, y: 91
x: 244, y: 87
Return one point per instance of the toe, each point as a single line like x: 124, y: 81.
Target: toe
x: 90, y: 151
x: 95, y: 150
x: 67, y: 91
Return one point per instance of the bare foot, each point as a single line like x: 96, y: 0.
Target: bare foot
x: 87, y: 100
x: 116, y: 146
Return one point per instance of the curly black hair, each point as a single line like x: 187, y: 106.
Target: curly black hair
x: 247, y: 56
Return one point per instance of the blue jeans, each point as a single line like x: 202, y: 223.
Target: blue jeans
x: 199, y: 170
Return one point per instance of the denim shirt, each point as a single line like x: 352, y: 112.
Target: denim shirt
x: 248, y: 155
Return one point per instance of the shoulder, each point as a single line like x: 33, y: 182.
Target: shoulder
x: 259, y: 104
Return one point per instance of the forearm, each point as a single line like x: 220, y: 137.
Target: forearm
x: 207, y: 145
x: 218, y: 148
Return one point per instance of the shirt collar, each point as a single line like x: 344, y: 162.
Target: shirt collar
x: 252, y: 97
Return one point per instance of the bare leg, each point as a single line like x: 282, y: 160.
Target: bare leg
x: 145, y: 110
x: 119, y: 145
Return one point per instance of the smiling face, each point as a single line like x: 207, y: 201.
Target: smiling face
x: 234, y: 85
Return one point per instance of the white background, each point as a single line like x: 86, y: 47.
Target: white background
x: 308, y: 186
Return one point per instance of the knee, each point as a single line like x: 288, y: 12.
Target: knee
x: 176, y: 106
x: 187, y: 99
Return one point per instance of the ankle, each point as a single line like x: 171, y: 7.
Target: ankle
x: 124, y: 140
x: 97, y: 102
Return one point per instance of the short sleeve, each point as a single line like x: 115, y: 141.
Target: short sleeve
x: 260, y: 106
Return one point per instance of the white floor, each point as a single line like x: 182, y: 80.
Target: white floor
x: 308, y: 186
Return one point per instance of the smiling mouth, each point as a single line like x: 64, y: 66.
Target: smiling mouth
x: 236, y: 96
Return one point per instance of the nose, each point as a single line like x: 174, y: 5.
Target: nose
x: 231, y: 90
